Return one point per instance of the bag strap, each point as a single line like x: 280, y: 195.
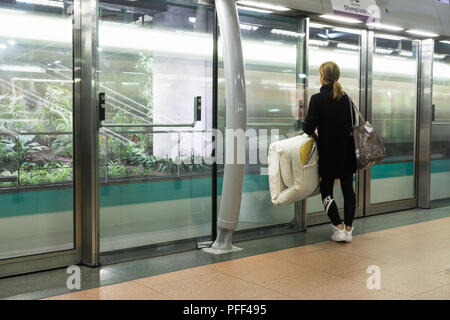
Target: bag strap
x: 352, y: 105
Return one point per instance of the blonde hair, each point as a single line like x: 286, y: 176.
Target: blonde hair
x: 330, y: 72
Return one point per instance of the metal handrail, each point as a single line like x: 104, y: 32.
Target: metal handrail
x: 8, y: 179
x: 440, y: 123
x: 161, y: 131
x: 151, y: 125
x: 268, y: 124
x: 9, y: 132
x: 43, y: 133
x: 36, y: 97
x: 143, y: 125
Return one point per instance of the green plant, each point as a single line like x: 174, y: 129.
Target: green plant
x: 117, y: 169
x: 193, y: 163
x: 15, y: 115
x: 56, y: 113
x: 145, y: 65
x: 167, y: 165
x: 7, y: 173
x: 63, y: 146
x: 52, y: 174
x: 138, y: 156
x: 21, y: 151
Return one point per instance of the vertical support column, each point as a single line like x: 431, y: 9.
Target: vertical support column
x: 300, y: 217
x: 215, y: 86
x: 77, y: 130
x: 363, y: 97
x: 235, y: 120
x: 425, y: 114
x: 89, y: 131
x: 368, y: 109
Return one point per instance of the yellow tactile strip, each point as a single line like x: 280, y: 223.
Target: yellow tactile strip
x: 412, y: 260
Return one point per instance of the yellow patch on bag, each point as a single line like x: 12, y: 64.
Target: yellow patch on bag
x: 305, y: 150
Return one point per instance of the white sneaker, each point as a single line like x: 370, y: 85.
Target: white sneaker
x: 348, y: 234
x: 338, y: 234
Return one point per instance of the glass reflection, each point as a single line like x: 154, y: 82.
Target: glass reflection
x: 394, y: 102
x: 155, y: 182
x: 36, y: 153
x: 272, y: 45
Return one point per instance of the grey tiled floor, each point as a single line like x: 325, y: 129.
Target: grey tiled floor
x: 53, y: 282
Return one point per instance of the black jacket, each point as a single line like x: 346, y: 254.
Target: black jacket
x: 335, y: 144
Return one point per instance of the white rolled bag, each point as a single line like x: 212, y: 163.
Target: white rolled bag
x: 293, y: 169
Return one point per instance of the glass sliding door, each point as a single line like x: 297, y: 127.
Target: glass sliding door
x: 344, y: 47
x: 154, y: 58
x: 272, y: 46
x: 393, y: 115
x: 36, y: 151
x: 440, y: 141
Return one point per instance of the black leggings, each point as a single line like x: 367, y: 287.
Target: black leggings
x: 326, y: 189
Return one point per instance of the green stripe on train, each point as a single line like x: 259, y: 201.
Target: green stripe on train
x: 47, y: 201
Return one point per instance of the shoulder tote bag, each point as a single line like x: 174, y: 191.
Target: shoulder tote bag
x: 369, y: 148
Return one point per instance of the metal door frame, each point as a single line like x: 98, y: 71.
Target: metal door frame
x: 63, y: 258
x: 426, y: 129
x: 425, y: 119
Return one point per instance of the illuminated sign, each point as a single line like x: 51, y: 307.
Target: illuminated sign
x: 365, y: 10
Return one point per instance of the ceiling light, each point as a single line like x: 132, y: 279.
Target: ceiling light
x: 319, y: 25
x: 406, y: 53
x: 347, y: 46
x: 277, y: 43
x: 248, y: 27
x: 384, y: 26
x: 384, y: 51
x: 318, y: 43
x: 439, y: 56
x: 14, y: 68
x: 347, y: 30
x: 254, y: 9
x: 47, y: 3
x: 340, y: 18
x: 192, y: 19
x: 287, y: 33
x: 273, y: 110
x: 422, y: 33
x: 11, y: 42
x: 3, y: 46
x: 389, y: 37
x: 445, y: 41
x: 263, y: 5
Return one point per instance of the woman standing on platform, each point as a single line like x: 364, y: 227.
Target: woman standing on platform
x: 329, y: 120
